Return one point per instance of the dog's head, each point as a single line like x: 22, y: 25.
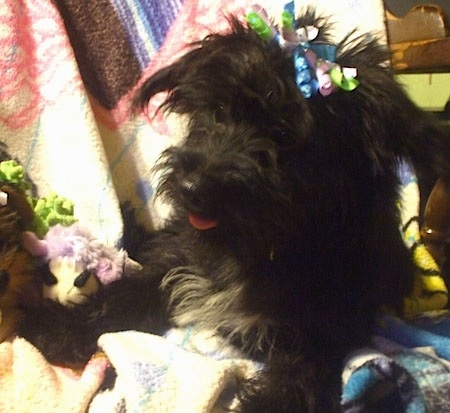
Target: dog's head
x: 260, y: 158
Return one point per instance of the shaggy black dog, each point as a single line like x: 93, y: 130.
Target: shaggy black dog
x: 285, y: 234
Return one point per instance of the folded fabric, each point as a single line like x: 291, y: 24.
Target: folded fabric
x: 187, y: 372
x: 374, y: 382
x: 428, y: 330
x: 156, y: 375
x: 391, y: 378
x: 29, y: 384
x: 196, y: 372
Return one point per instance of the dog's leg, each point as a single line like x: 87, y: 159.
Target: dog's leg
x: 294, y: 384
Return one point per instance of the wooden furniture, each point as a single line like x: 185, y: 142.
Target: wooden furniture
x: 419, y: 40
x: 420, y: 44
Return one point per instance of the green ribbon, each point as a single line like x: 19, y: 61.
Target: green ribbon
x: 257, y: 24
x: 338, y: 79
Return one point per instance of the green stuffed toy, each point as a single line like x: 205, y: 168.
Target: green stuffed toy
x: 12, y: 172
x: 48, y: 211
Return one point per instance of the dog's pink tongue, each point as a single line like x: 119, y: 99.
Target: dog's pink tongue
x: 202, y: 223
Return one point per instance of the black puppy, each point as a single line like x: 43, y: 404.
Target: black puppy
x: 284, y: 236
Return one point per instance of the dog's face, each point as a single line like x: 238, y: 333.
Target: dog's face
x: 246, y: 120
x: 259, y: 158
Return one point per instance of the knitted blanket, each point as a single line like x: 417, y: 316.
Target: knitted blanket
x: 185, y: 372
x: 68, y: 71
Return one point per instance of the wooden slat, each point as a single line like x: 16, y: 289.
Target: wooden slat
x: 423, y: 22
x: 421, y: 54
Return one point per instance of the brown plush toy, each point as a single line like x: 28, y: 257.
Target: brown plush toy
x: 19, y: 287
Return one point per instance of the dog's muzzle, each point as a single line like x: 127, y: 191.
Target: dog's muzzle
x: 197, y: 205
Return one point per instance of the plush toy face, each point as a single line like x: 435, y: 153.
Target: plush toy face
x: 67, y: 281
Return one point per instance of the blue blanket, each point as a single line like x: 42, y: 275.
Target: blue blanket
x: 407, y: 369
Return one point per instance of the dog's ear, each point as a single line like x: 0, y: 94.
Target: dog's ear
x: 161, y: 81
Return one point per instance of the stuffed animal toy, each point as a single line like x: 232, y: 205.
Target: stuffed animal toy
x: 51, y: 210
x: 48, y: 211
x: 12, y: 172
x: 19, y: 287
x: 75, y: 264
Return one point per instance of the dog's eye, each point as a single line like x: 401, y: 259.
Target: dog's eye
x: 280, y: 135
x: 219, y: 114
x: 188, y: 160
x: 282, y: 138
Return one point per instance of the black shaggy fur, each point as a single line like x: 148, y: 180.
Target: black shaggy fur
x: 307, y: 245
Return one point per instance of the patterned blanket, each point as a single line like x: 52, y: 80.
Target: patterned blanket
x: 185, y: 372
x: 68, y: 70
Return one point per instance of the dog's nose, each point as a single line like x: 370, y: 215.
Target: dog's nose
x: 191, y: 194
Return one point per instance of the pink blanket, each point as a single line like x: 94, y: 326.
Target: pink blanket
x: 28, y: 383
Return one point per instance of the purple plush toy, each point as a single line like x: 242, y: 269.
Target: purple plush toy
x: 76, y: 263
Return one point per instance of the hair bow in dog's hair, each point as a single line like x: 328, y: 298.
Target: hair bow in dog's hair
x: 315, y: 66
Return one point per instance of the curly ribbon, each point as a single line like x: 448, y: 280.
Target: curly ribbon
x: 259, y: 22
x: 339, y: 79
x: 314, y: 63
